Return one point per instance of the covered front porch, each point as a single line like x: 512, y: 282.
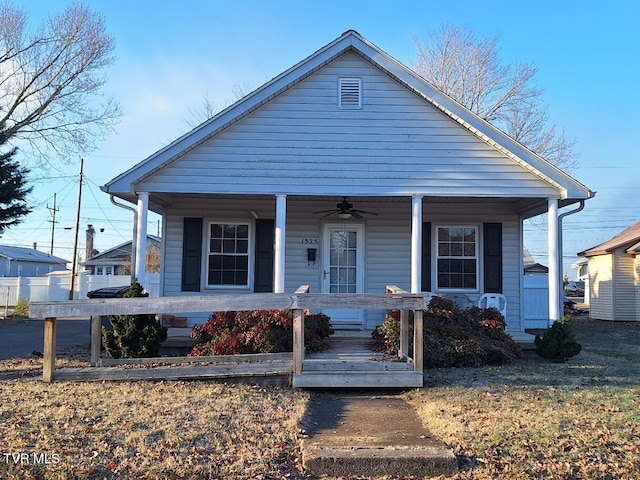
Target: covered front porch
x: 398, y: 244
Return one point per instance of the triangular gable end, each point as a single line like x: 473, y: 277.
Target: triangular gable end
x: 352, y: 41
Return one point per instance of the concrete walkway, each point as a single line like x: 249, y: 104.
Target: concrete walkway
x: 370, y: 435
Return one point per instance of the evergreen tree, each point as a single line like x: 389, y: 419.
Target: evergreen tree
x: 13, y: 186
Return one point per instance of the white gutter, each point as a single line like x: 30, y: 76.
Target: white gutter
x: 560, y: 217
x: 135, y: 234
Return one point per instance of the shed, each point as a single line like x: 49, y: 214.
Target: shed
x: 614, y: 276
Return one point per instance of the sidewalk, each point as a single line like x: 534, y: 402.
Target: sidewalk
x: 370, y: 435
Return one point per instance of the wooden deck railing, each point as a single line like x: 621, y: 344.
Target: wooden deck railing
x: 299, y: 301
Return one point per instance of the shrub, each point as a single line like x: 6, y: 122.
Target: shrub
x: 21, y: 310
x: 133, y: 336
x: 558, y: 343
x: 317, y: 330
x: 455, y: 337
x: 257, y: 331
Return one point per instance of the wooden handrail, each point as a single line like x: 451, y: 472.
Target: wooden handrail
x: 299, y: 301
x: 212, y: 303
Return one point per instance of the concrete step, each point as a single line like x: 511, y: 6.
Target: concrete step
x: 358, y: 379
x: 370, y: 436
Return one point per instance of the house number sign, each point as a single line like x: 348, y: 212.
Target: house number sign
x: 310, y: 241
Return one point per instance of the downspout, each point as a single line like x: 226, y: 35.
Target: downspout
x: 560, y: 252
x: 135, y: 234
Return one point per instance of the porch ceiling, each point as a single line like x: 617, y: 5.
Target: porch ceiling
x: 527, y: 207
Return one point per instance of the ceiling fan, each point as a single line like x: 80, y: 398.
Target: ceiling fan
x: 345, y: 210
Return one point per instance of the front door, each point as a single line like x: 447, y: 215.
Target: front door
x: 343, y: 270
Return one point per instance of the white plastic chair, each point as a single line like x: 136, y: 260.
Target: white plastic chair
x: 495, y: 300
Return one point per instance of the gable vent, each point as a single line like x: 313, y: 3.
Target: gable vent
x: 350, y: 93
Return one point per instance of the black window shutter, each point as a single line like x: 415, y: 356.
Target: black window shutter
x: 426, y: 256
x: 191, y: 254
x: 492, y: 257
x: 265, y: 237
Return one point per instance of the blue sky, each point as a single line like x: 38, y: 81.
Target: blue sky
x: 170, y: 55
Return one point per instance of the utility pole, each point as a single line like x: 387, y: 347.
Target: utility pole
x: 74, y: 261
x: 53, y: 221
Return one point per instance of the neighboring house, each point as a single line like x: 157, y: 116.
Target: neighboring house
x: 531, y: 267
x: 614, y: 277
x: 348, y: 172
x: 117, y: 260
x: 28, y: 262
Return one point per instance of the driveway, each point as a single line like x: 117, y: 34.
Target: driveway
x: 21, y: 339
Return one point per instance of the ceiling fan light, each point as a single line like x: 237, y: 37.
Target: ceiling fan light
x: 344, y: 215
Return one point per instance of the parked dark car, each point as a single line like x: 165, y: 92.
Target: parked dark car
x: 574, y: 289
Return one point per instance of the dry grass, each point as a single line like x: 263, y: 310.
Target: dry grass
x: 145, y: 430
x: 533, y: 419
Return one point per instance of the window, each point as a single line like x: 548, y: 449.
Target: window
x: 349, y: 93
x: 228, y: 255
x: 101, y: 270
x: 457, y: 252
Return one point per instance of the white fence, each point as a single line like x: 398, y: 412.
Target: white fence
x: 536, y: 301
x: 54, y: 287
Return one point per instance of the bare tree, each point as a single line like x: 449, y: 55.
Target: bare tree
x: 51, y: 79
x: 209, y: 108
x: 468, y: 69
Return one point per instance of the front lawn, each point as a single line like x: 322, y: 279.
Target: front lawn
x: 530, y: 419
x: 537, y: 419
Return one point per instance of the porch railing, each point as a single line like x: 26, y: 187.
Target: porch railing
x: 299, y: 301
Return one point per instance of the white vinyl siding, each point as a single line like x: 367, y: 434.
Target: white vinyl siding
x: 387, y: 242
x: 612, y: 287
x: 636, y: 282
x: 300, y: 143
x: 601, y: 287
x: 623, y: 287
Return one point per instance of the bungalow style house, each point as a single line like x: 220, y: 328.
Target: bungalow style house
x: 28, y: 262
x: 348, y: 172
x: 117, y: 260
x: 614, y: 276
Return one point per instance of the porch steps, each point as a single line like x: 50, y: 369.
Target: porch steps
x: 354, y: 366
x: 350, y: 363
x: 358, y: 379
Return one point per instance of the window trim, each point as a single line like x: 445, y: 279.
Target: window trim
x: 478, y: 257
x: 206, y: 253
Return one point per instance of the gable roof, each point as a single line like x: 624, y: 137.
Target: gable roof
x: 569, y: 190
x: 119, y: 253
x: 628, y: 239
x: 23, y: 254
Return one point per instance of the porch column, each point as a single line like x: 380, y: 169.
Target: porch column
x: 140, y: 266
x: 280, y: 235
x: 416, y: 243
x: 555, y: 299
